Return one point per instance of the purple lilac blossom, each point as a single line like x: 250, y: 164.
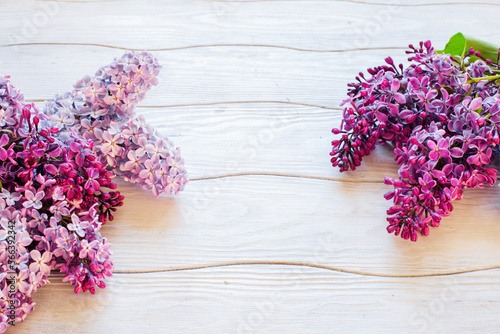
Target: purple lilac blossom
x: 442, y: 119
x: 49, y: 219
x: 101, y: 109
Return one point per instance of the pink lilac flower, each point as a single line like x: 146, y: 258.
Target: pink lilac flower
x: 149, y: 168
x: 22, y: 282
x: 92, y: 183
x: 32, y: 200
x: 63, y: 118
x: 59, y: 210
x: 483, y: 153
x: 439, y: 149
x: 111, y: 144
x: 38, y: 220
x: 10, y: 198
x: 135, y: 162
x: 40, y: 262
x: 77, y: 225
x: 88, y: 250
x: 22, y: 240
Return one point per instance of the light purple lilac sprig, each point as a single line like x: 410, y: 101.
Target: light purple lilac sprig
x: 101, y: 109
x: 442, y: 117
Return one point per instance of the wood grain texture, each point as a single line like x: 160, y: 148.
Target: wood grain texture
x: 312, y: 25
x: 338, y: 225
x: 253, y: 134
x: 199, y: 76
x: 271, y: 299
x: 267, y: 237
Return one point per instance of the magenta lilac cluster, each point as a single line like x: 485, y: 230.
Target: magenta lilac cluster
x: 442, y: 116
x: 101, y: 110
x: 54, y: 196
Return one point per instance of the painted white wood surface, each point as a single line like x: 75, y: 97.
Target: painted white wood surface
x: 267, y: 237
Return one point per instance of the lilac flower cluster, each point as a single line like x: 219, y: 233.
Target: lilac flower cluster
x: 101, y: 109
x: 442, y: 116
x: 54, y: 196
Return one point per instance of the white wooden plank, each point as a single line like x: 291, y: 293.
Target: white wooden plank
x: 402, y: 3
x: 231, y: 139
x: 311, y: 25
x: 292, y: 220
x: 263, y: 138
x: 195, y: 76
x: 270, y: 299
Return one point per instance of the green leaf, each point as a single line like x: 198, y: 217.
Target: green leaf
x: 459, y: 44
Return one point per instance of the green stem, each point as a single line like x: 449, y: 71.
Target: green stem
x: 491, y: 77
x: 462, y: 59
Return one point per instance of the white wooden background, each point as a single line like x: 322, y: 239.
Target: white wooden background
x: 267, y: 237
